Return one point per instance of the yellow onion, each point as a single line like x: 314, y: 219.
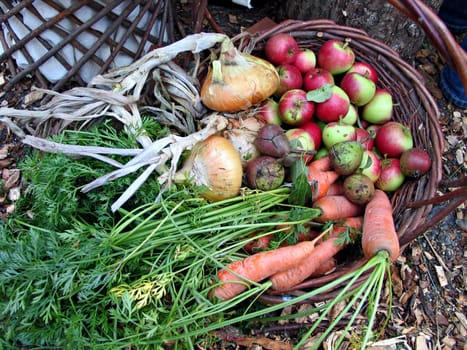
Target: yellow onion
x: 215, y: 165
x: 237, y: 80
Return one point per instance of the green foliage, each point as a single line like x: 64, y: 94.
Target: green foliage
x: 142, y: 281
x: 53, y: 181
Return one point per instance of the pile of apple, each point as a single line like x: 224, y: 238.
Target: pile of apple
x: 326, y: 98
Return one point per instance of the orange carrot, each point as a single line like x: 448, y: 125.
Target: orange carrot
x: 321, y: 165
x: 324, y: 268
x: 259, y: 243
x: 336, y: 188
x: 321, y: 176
x: 325, y: 251
x: 379, y: 232
x: 258, y: 267
x: 336, y: 207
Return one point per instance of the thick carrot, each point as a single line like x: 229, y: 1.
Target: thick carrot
x: 379, y: 232
x: 285, y: 280
x: 336, y: 207
x: 258, y: 267
x: 321, y: 165
x: 321, y: 176
x: 336, y: 188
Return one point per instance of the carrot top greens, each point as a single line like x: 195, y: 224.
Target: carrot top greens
x: 75, y: 276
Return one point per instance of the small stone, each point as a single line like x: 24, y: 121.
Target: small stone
x: 14, y: 194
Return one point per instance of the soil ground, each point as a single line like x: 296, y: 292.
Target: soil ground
x: 429, y: 305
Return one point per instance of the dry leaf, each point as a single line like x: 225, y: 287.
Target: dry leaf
x: 4, y: 152
x: 11, y: 178
x: 252, y: 342
x: 32, y: 97
x: 421, y: 342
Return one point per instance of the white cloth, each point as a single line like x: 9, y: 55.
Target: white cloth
x: 52, y: 69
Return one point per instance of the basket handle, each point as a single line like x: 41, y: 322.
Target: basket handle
x: 438, y: 33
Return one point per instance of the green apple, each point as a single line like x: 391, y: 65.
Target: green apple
x: 379, y: 109
x: 335, y: 132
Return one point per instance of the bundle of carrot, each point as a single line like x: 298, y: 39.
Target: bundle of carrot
x: 284, y: 268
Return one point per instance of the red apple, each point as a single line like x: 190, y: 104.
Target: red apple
x: 391, y: 177
x: 281, y: 48
x: 317, y: 77
x: 379, y: 109
x: 365, y: 138
x: 352, y: 115
x: 365, y: 69
x: 289, y: 78
x: 334, y: 108
x: 370, y: 165
x: 359, y: 88
x: 335, y: 56
x: 373, y: 129
x: 305, y: 60
x: 335, y: 132
x: 392, y: 139
x: 301, y: 141
x: 294, y: 108
x: 415, y: 162
x: 269, y: 112
x: 315, y: 132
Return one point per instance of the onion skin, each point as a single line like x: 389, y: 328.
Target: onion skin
x: 237, y: 81
x: 242, y: 132
x: 215, y: 165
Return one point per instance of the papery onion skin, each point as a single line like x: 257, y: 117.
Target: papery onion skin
x: 215, y: 165
x: 242, y: 132
x: 237, y: 81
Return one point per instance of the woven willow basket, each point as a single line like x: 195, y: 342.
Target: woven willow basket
x: 414, y: 107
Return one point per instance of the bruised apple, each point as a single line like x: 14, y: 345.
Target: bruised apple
x: 335, y: 132
x: 358, y: 188
x: 294, y: 108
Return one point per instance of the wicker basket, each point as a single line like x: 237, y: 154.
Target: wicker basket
x: 71, y: 41
x: 414, y: 107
